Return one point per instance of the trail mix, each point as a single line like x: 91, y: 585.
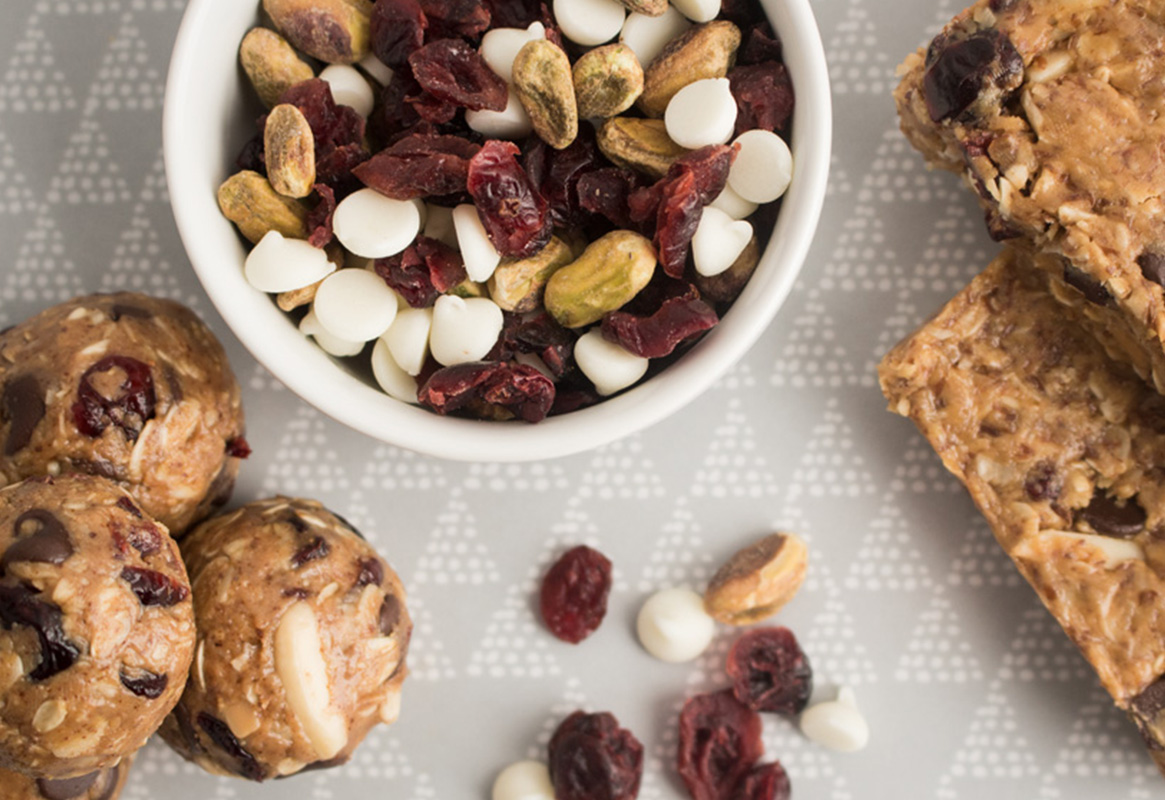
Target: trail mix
x: 526, y: 207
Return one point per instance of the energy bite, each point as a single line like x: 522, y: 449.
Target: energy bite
x: 96, y: 626
x: 104, y: 784
x: 1061, y: 449
x: 132, y: 388
x: 302, y: 637
x: 1053, y: 114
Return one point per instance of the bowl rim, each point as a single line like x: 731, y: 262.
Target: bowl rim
x: 300, y: 364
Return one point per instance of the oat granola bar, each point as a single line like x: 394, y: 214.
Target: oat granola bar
x: 1052, y: 112
x: 1063, y: 451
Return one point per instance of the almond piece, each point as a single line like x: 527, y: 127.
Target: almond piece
x: 290, y: 151
x: 303, y: 671
x: 757, y: 581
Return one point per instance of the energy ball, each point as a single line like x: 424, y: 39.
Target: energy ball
x: 132, y: 388
x: 302, y: 637
x: 104, y: 784
x: 96, y: 626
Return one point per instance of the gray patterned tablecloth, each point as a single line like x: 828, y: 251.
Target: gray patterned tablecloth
x: 970, y: 688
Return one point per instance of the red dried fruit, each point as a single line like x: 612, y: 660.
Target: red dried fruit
x: 518, y: 388
x: 316, y: 549
x: 334, y: 127
x: 129, y: 410
x: 607, y: 192
x: 515, y: 214
x: 238, y: 447
x: 556, y: 173
x: 143, y: 537
x: 319, y: 219
x: 251, y: 156
x: 709, y: 166
x: 451, y: 70
x: 419, y: 165
x: 960, y: 69
x: 514, y: 13
x: 720, y: 741
x: 769, y: 671
x: 574, y: 594
x: 760, y: 44
x: 537, y: 333
x: 423, y: 271
x: 335, y: 168
x: 452, y: 18
x: 655, y: 336
x: 398, y: 28
x: 19, y: 605
x: 568, y: 398
x: 153, y: 588
x: 764, y: 782
x: 144, y: 683
x: 764, y: 96
x: 592, y: 758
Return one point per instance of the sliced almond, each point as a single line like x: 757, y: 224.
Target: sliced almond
x: 300, y: 664
x: 758, y: 581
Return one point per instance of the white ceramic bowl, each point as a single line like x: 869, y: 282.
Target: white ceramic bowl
x: 209, y: 115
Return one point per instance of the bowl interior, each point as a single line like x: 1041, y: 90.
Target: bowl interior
x: 207, y: 119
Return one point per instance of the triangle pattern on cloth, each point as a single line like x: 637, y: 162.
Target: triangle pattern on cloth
x: 456, y: 554
x: 43, y: 273
x: 621, y: 470
x: 139, y: 264
x: 980, y: 561
x: 304, y: 462
x: 87, y: 173
x: 829, y: 467
x: 428, y: 659
x: 126, y: 79
x: 887, y: 557
x: 15, y: 195
x: 678, y: 558
x: 33, y: 82
x: 733, y: 468
x: 831, y: 640
x: 855, y: 64
x: 536, y: 476
x: 1041, y: 651
x: 811, y: 357
x: 937, y: 650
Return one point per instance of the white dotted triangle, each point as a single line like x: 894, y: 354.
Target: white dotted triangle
x: 887, y: 557
x: 621, y: 470
x: 139, y: 264
x: 428, y: 660
x: 830, y: 640
x: 456, y: 553
x: 679, y: 557
x: 126, y: 81
x: 829, y: 467
x: 732, y: 467
x: 854, y: 66
x: 33, y: 82
x: 938, y: 651
x: 43, y: 273
x: 87, y: 174
x: 304, y: 463
x: 15, y: 195
x: 980, y: 561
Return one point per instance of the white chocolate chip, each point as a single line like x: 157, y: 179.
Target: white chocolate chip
x: 408, y: 338
x: 673, y: 625
x: 606, y: 364
x: 701, y: 113
x: 532, y: 360
x: 374, y: 226
x: 512, y: 123
x: 523, y: 780
x: 49, y: 716
x: 392, y: 379
x: 733, y: 204
x: 377, y: 69
x: 718, y: 242
x: 837, y: 724
x: 355, y: 305
x: 589, y: 22
x: 477, y: 251
x: 647, y: 36
x: 333, y: 346
x: 299, y: 662
x: 349, y: 88
x: 763, y: 168
x: 278, y: 264
x: 500, y: 46
x: 464, y: 329
x: 698, y: 10
x: 439, y: 225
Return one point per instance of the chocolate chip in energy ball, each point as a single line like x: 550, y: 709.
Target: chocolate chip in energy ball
x: 1152, y: 267
x: 1092, y: 289
x: 19, y: 605
x: 67, y: 788
x: 144, y: 683
x: 962, y: 69
x: 1146, y: 710
x: 1110, y: 517
x: 39, y: 537
x: 23, y: 407
x: 221, y: 735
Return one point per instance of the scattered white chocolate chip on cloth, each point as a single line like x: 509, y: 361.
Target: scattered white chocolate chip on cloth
x: 523, y: 780
x: 302, y: 638
x: 702, y: 113
x: 607, y: 365
x: 836, y: 724
x: 673, y: 626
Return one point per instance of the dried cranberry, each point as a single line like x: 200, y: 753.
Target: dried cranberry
x: 556, y: 173
x: 19, y: 605
x: 592, y: 758
x: 319, y: 219
x: 129, y: 410
x: 513, y: 211
x: 769, y: 672
x: 371, y: 572
x: 678, y: 319
x: 453, y: 71
x: 431, y: 108
x: 44, y: 541
x: 764, y: 97
x: 709, y: 166
x: 145, y: 538
x: 607, y: 192
x: 144, y: 683
x: 680, y: 210
x: 220, y: 733
x: 238, y: 447
x: 23, y: 407
x: 720, y: 741
x: 316, y: 549
x: 398, y: 28
x: 574, y: 594
x: 959, y: 70
x: 419, y: 166
x: 338, y: 132
x: 334, y: 169
x: 518, y: 388
x: 422, y: 271
x: 760, y: 44
x: 537, y: 333
x: 153, y: 588
x: 764, y: 782
x: 452, y: 18
x: 514, y: 13
x: 251, y: 156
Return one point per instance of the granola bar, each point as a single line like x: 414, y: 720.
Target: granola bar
x: 1052, y: 111
x: 1063, y: 451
